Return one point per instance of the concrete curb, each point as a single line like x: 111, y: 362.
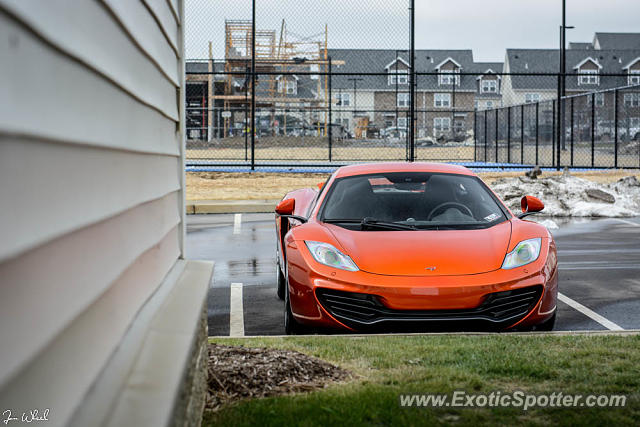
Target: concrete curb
x: 230, y: 206
x: 629, y: 332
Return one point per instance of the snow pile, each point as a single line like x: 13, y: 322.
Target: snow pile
x: 572, y: 196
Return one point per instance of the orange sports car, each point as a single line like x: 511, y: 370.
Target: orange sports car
x: 412, y: 247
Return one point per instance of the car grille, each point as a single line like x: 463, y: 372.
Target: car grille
x: 498, y: 310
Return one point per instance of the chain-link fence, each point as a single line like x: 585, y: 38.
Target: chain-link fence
x: 596, y: 129
x: 315, y: 94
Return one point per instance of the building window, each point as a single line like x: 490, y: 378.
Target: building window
x: 449, y: 77
x: 489, y: 86
x: 531, y: 97
x: 402, y: 122
x: 402, y: 75
x: 588, y: 77
x: 634, y: 77
x: 403, y: 100
x: 344, y: 99
x: 458, y: 126
x: 442, y: 100
x: 632, y: 99
x: 489, y: 104
x: 345, y: 123
x: 599, y: 99
x: 634, y: 122
x: 290, y: 87
x: 442, y: 124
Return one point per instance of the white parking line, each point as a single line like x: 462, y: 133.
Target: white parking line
x: 236, y: 311
x: 237, y: 223
x: 628, y: 222
x: 589, y: 313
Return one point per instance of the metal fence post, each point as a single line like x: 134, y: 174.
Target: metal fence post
x: 615, y: 131
x: 246, y: 116
x: 496, y: 129
x: 253, y: 85
x: 593, y: 128
x: 484, y: 113
x: 508, y: 134
x: 554, y: 132
x: 572, y: 109
x: 412, y: 82
x: 537, y: 130
x: 330, y: 110
x: 522, y: 134
x: 475, y: 135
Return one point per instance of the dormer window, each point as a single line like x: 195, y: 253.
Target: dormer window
x: 489, y: 86
x: 588, y: 77
x: 634, y: 77
x: 448, y: 72
x: 449, y: 78
x: 287, y: 85
x: 588, y: 72
x: 398, y: 71
x: 402, y: 76
x: 633, y: 72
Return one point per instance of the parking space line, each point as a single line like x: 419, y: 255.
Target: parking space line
x: 237, y: 223
x: 236, y: 311
x: 628, y: 222
x: 589, y: 313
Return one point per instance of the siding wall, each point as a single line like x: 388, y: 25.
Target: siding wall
x: 91, y: 172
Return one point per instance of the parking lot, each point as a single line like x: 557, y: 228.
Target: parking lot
x: 599, y: 262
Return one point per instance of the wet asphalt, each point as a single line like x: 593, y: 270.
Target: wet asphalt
x: 599, y: 263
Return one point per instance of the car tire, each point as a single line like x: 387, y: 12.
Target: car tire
x: 280, y: 281
x: 291, y: 326
x: 547, y: 325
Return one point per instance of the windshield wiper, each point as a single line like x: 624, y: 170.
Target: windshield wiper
x: 370, y: 223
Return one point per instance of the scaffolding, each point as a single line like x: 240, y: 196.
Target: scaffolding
x: 287, y: 54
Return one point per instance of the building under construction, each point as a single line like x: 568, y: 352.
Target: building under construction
x: 286, y: 94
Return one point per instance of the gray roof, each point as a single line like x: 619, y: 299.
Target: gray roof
x: 581, y: 45
x: 197, y: 66
x: 548, y: 61
x: 375, y: 60
x: 496, y: 67
x: 618, y: 41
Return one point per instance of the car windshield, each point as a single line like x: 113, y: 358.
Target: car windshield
x: 413, y: 200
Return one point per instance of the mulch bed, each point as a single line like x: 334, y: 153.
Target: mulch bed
x: 237, y: 373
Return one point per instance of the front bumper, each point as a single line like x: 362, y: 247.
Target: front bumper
x: 359, y: 301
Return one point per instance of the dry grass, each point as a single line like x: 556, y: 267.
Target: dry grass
x: 272, y: 186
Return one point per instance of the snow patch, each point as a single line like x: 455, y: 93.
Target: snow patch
x: 568, y: 196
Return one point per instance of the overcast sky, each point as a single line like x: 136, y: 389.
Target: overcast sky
x: 486, y: 26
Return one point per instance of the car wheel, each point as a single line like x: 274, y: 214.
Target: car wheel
x: 547, y: 325
x: 291, y: 326
x: 281, y: 283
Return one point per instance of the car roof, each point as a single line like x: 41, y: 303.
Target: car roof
x: 386, y: 167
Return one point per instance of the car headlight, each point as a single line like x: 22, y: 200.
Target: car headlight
x: 327, y: 254
x: 525, y: 252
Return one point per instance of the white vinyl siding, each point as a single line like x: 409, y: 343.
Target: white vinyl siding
x: 91, y: 157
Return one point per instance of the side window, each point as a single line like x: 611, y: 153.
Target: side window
x: 313, y: 204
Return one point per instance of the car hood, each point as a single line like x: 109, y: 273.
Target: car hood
x: 426, y: 252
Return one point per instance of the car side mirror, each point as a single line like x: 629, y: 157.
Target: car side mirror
x: 286, y: 207
x: 320, y: 185
x: 530, y: 205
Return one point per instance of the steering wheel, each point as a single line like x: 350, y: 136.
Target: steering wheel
x: 456, y: 205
